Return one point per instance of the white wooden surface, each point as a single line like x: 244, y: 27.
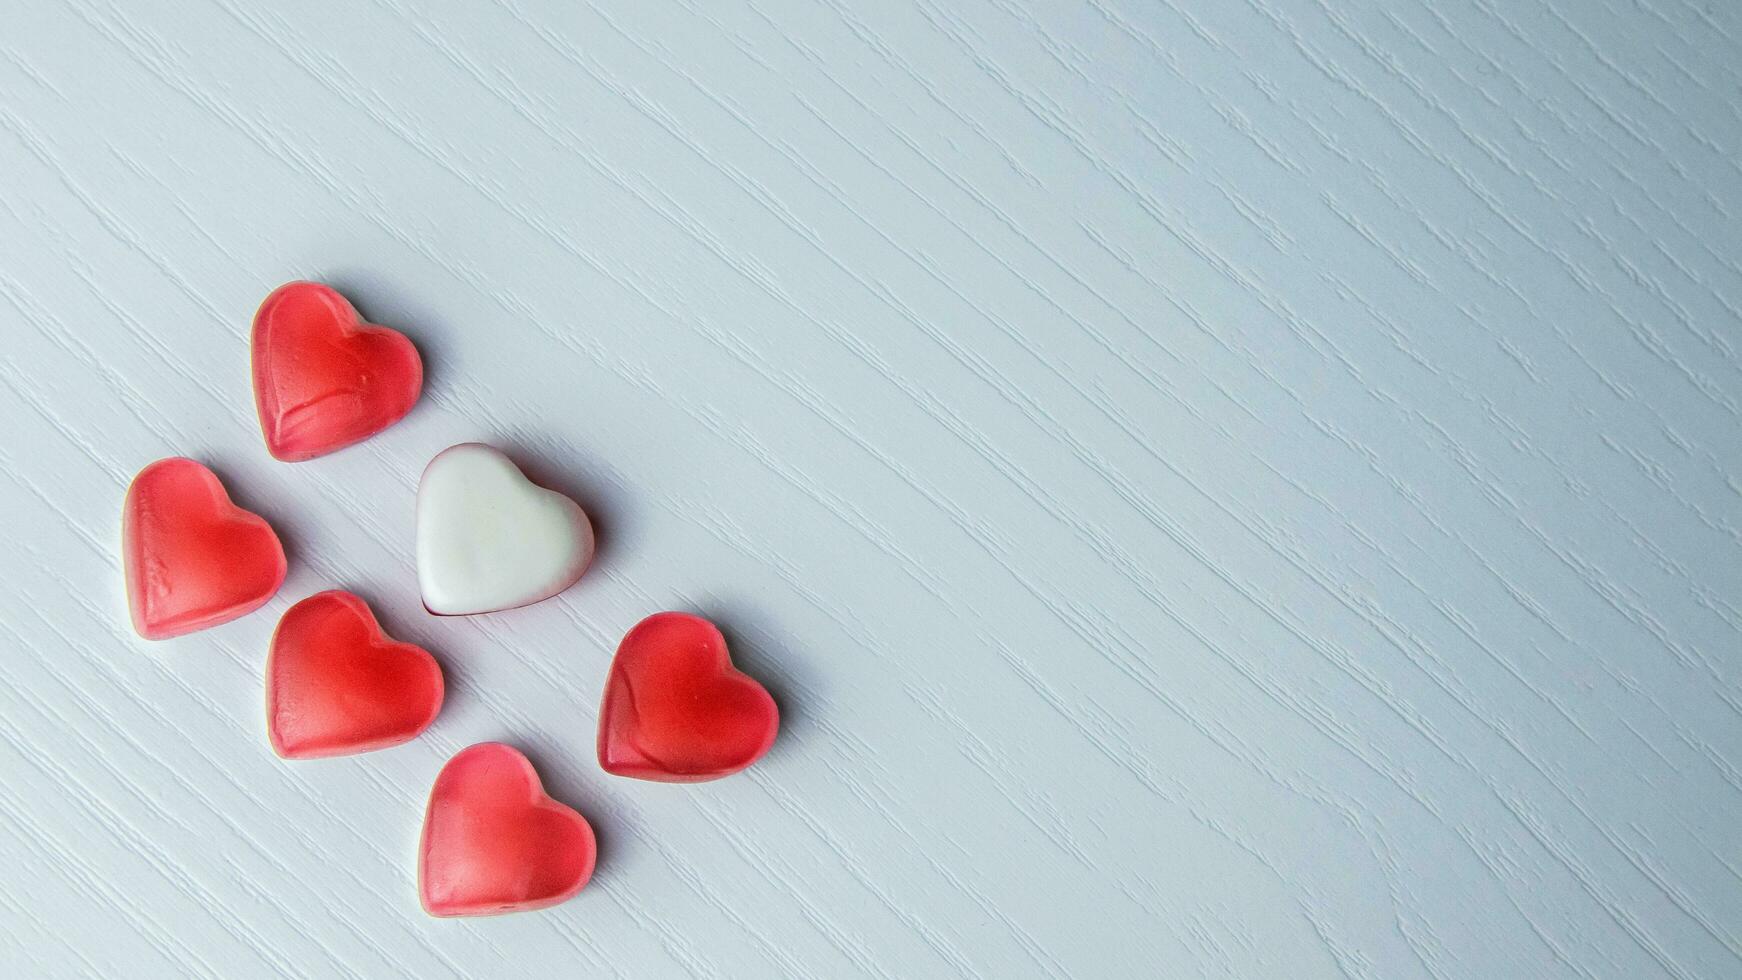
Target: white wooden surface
x: 1230, y: 488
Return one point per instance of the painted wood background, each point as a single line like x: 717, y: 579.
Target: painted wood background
x: 1241, y: 488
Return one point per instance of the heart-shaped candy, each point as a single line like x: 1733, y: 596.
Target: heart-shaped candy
x: 488, y: 538
x: 493, y: 842
x: 192, y: 559
x: 336, y: 684
x: 676, y: 710
x: 324, y: 379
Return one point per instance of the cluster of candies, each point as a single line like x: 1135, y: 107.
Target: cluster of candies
x: 488, y: 539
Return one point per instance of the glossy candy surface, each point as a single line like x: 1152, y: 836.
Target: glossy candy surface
x: 192, y: 559
x: 323, y: 379
x: 676, y: 710
x: 488, y: 538
x: 493, y: 841
x: 336, y: 684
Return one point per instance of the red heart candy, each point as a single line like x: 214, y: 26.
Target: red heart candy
x: 675, y: 708
x: 336, y: 684
x: 192, y: 558
x: 493, y: 842
x: 323, y: 379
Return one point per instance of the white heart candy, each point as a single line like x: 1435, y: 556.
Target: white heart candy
x: 488, y: 538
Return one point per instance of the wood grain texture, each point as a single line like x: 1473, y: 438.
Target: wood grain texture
x: 1217, y: 488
